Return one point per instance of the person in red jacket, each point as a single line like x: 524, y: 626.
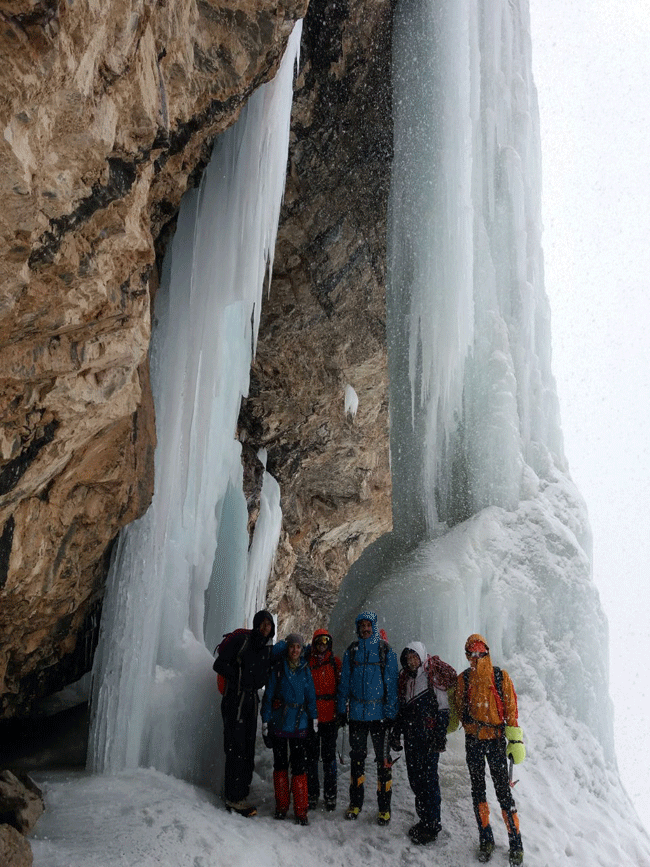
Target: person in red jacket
x: 326, y: 672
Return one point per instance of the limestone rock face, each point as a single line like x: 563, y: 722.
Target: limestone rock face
x: 21, y: 801
x: 15, y: 851
x: 108, y: 110
x: 323, y: 325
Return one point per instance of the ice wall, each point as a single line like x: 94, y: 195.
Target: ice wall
x: 490, y: 534
x: 182, y: 575
x: 472, y: 397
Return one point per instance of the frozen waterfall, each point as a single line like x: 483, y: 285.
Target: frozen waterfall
x: 490, y: 534
x: 182, y: 575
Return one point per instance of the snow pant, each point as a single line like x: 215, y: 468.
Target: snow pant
x: 286, y: 752
x: 322, y: 744
x: 494, y: 751
x: 422, y: 769
x: 239, y: 715
x: 358, y: 734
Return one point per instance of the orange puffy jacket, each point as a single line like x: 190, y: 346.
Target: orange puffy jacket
x: 326, y: 673
x: 483, y: 712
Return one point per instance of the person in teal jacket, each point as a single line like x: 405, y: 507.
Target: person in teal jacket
x: 288, y: 706
x: 367, y: 699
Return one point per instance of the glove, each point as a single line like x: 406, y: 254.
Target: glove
x: 454, y: 722
x: 315, y: 724
x: 395, y: 742
x: 266, y: 737
x: 342, y: 720
x: 515, y: 747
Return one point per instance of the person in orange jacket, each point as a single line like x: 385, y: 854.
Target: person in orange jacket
x: 326, y: 673
x: 486, y: 703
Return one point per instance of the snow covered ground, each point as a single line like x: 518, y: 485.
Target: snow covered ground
x: 144, y: 818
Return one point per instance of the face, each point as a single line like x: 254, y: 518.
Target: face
x: 413, y: 660
x: 321, y: 644
x: 475, y: 654
x: 364, y: 628
x: 265, y: 627
x: 293, y: 651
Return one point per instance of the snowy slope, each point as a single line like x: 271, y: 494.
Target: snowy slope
x: 144, y: 818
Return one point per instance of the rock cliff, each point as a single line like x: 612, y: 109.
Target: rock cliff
x: 109, y: 111
x: 323, y: 325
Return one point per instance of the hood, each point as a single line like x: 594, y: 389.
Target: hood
x: 483, y: 667
x: 264, y: 615
x: 317, y: 634
x: 476, y: 637
x: 418, y: 647
x: 372, y: 617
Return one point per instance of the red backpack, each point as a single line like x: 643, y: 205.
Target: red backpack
x: 222, y: 683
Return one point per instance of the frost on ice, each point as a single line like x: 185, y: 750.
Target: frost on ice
x: 183, y: 575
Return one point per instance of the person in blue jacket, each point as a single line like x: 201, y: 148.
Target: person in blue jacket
x: 367, y: 700
x: 289, y: 703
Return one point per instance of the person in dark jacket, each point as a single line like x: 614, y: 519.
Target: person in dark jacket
x: 367, y: 697
x: 425, y: 687
x: 244, y: 661
x: 288, y: 706
x: 326, y: 672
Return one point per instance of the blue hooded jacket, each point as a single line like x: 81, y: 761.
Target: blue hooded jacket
x: 289, y: 700
x: 363, y: 691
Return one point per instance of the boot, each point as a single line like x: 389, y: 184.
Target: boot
x: 384, y: 794
x: 486, y: 837
x: 425, y: 834
x: 300, y: 798
x: 511, y: 820
x: 357, y: 780
x: 281, y: 787
x: 243, y: 808
x: 329, y: 785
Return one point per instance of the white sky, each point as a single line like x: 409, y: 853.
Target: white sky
x: 591, y: 62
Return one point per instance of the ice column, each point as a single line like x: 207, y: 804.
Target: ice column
x: 472, y: 395
x: 154, y: 696
x: 429, y: 297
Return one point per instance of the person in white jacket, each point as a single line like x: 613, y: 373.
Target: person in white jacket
x: 423, y: 718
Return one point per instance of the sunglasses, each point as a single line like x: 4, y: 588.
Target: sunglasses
x: 477, y: 654
x: 322, y: 639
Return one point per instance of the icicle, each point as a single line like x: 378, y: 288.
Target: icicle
x: 154, y: 692
x: 351, y: 401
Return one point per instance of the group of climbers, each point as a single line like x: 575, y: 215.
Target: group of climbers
x: 310, y: 694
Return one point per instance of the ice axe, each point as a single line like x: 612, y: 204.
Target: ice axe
x: 511, y: 772
x: 342, y: 751
x: 387, y: 760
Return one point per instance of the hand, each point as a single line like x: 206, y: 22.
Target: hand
x: 342, y: 720
x: 515, y: 748
x: 266, y: 737
x: 395, y: 743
